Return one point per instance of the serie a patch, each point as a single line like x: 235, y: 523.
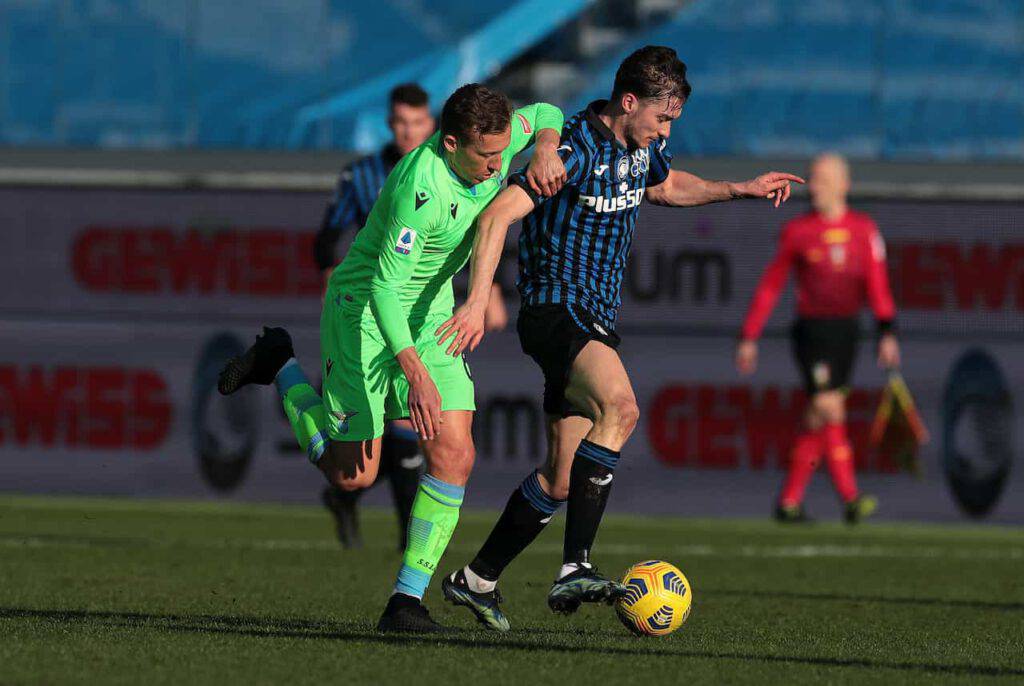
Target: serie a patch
x: 406, y: 239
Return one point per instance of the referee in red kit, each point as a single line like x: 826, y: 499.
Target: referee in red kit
x: 839, y: 259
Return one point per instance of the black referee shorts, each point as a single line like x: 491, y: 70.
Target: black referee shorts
x: 825, y: 350
x: 553, y: 335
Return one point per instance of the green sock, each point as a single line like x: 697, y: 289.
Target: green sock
x: 304, y: 408
x: 435, y: 512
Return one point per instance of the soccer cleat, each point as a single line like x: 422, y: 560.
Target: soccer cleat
x: 406, y: 613
x: 259, y: 364
x: 861, y: 507
x: 585, y: 585
x: 791, y: 514
x: 483, y: 605
x: 342, y: 506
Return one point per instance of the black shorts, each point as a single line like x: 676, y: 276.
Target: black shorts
x: 825, y: 350
x: 553, y: 335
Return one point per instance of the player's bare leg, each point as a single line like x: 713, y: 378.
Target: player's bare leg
x: 401, y: 464
x: 600, y: 388
x: 435, y: 513
x: 351, y: 465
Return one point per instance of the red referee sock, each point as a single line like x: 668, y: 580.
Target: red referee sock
x: 803, y: 460
x: 839, y: 458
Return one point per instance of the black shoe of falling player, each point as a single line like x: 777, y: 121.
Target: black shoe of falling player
x: 342, y: 506
x: 407, y: 614
x: 791, y: 514
x: 259, y: 364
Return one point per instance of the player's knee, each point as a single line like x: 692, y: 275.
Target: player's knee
x: 453, y: 464
x: 623, y: 413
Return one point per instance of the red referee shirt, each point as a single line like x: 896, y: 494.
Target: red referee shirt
x: 839, y: 264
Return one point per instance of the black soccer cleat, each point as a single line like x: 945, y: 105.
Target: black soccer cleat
x: 791, y: 514
x: 861, y: 507
x: 259, y: 364
x: 407, y: 614
x: 343, y: 508
x: 585, y: 585
x: 484, y: 605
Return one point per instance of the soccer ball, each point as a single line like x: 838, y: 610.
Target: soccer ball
x: 657, y: 599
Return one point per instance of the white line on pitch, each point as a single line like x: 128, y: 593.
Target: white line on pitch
x: 639, y: 550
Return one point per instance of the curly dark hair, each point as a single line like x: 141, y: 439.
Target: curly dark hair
x: 652, y: 72
x: 475, y: 110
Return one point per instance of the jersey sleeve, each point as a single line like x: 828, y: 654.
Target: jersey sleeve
x: 527, y: 121
x: 661, y: 163
x: 879, y: 294
x: 770, y: 287
x: 341, y: 213
x: 575, y: 164
x: 413, y: 217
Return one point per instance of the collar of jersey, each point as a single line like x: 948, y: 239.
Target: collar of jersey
x: 591, y: 115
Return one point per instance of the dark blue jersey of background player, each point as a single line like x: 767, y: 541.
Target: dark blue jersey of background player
x: 359, y: 185
x: 357, y: 190
x: 573, y: 247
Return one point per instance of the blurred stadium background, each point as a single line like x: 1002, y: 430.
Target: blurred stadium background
x: 165, y: 164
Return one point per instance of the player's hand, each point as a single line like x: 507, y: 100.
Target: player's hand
x: 424, y: 406
x: 773, y: 186
x: 465, y: 328
x: 746, y: 357
x: 546, y: 172
x: 888, y: 352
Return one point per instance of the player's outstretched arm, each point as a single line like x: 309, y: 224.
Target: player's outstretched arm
x: 681, y: 189
x: 465, y: 328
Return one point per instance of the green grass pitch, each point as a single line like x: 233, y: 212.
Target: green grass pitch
x: 128, y: 591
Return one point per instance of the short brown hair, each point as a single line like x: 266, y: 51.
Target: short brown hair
x: 652, y: 72
x: 410, y: 94
x: 475, y: 110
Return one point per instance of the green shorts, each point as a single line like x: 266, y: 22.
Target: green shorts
x: 363, y: 385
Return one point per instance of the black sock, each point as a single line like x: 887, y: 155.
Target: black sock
x: 402, y: 461
x: 590, y: 482
x: 528, y: 511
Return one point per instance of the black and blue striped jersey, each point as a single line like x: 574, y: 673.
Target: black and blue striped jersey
x: 573, y: 246
x: 357, y: 190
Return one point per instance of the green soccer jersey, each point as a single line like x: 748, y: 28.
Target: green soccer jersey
x: 419, y: 233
